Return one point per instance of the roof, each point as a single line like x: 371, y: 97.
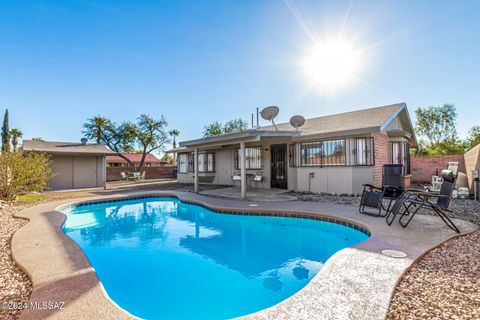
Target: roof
x: 250, y: 133
x: 372, y: 118
x: 134, y: 157
x: 70, y: 148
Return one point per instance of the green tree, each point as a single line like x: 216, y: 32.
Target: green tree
x: 23, y: 172
x: 216, y: 128
x: 97, y: 124
x: 168, y: 158
x: 213, y: 129
x: 174, y: 133
x: 235, y: 125
x: 5, y: 133
x: 37, y: 139
x: 436, y: 126
x: 145, y: 135
x: 473, y: 138
x: 16, y: 135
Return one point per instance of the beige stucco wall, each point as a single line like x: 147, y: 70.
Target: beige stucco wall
x: 472, y: 162
x: 74, y: 172
x: 333, y: 179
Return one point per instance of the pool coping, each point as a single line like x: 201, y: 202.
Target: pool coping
x: 60, y: 269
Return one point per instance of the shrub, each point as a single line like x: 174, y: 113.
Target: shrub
x: 23, y: 172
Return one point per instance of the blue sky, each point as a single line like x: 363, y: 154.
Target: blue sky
x: 200, y: 61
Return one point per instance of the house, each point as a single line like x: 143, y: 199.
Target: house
x: 333, y: 154
x: 76, y: 165
x: 150, y: 160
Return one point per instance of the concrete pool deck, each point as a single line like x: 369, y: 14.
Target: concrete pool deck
x: 355, y: 283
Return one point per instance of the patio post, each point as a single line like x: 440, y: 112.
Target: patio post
x: 243, y: 181
x: 195, y: 166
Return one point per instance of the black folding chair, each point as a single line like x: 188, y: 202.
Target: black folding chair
x: 392, y: 187
x: 410, y: 202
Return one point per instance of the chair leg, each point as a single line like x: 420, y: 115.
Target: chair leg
x: 447, y: 220
x: 409, y: 214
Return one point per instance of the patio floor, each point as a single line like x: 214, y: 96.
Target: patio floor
x: 252, y: 194
x: 355, y: 283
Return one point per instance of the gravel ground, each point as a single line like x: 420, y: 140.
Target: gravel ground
x: 445, y: 284
x: 15, y: 286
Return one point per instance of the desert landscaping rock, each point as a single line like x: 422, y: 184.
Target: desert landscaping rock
x: 15, y: 286
x: 445, y: 284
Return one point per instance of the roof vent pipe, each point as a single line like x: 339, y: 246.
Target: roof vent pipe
x: 84, y: 141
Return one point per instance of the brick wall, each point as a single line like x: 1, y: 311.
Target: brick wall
x: 424, y: 167
x: 165, y: 172
x: 380, y: 142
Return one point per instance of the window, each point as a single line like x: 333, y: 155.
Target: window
x: 206, y: 162
x: 253, y: 158
x: 321, y: 153
x: 191, y: 167
x: 182, y: 162
x: 399, y: 153
x: 363, y: 152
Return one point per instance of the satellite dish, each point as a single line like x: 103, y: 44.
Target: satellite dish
x: 297, y: 121
x: 269, y: 114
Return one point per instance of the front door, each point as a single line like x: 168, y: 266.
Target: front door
x: 278, y: 163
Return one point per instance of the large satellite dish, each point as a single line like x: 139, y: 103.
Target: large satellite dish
x: 269, y: 114
x: 297, y: 121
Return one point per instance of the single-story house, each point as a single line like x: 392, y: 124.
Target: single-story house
x: 76, y: 165
x: 150, y: 160
x: 333, y: 154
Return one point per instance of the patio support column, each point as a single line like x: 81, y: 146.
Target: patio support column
x: 243, y: 175
x: 104, y: 162
x: 195, y: 166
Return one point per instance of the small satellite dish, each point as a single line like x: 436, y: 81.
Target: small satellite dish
x: 297, y: 121
x: 269, y: 114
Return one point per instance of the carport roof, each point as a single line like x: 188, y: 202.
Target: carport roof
x: 70, y: 148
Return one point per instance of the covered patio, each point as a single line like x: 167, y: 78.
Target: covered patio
x: 229, y: 151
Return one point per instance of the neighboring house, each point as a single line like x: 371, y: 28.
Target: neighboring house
x: 76, y: 165
x: 333, y: 154
x: 150, y: 160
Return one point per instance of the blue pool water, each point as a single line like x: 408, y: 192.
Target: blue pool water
x: 160, y: 258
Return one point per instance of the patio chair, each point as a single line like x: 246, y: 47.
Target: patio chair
x: 124, y: 176
x: 236, y: 177
x: 258, y: 178
x: 412, y: 201
x: 392, y: 187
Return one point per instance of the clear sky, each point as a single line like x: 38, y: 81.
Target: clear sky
x: 199, y: 61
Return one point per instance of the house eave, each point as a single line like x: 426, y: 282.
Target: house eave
x: 235, y: 137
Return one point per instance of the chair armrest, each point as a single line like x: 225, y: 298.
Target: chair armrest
x: 371, y: 187
x: 430, y: 194
x: 392, y: 187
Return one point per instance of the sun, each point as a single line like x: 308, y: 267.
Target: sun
x: 331, y: 64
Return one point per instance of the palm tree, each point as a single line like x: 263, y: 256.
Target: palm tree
x: 174, y: 133
x: 94, y: 128
x: 16, y: 135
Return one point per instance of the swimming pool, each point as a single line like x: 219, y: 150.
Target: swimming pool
x: 161, y: 258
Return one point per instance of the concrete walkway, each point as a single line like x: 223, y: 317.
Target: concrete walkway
x: 355, y: 283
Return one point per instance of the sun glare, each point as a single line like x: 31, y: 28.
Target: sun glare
x: 331, y: 64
